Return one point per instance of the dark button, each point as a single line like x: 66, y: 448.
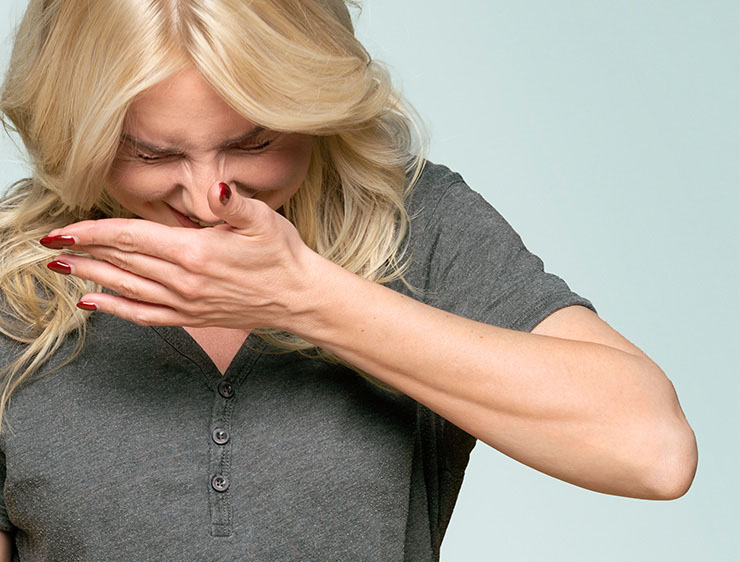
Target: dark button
x: 220, y: 483
x: 220, y: 436
x: 225, y: 389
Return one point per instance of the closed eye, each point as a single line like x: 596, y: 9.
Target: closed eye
x: 148, y: 158
x: 253, y: 148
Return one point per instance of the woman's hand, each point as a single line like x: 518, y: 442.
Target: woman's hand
x: 251, y: 272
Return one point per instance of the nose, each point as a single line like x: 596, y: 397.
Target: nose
x: 198, y: 177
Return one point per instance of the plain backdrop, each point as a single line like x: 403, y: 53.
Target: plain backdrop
x: 607, y: 134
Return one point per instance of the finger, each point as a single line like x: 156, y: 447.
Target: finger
x: 156, y: 269
x: 122, y: 282
x: 250, y: 216
x: 129, y: 235
x: 141, y: 313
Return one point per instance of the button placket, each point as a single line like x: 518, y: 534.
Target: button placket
x: 226, y: 395
x: 220, y: 454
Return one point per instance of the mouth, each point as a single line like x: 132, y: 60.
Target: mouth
x: 204, y: 224
x: 193, y: 222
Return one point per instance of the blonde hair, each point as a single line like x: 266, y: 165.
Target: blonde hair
x: 288, y: 65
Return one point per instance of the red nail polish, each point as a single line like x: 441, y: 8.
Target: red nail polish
x: 59, y: 266
x: 87, y: 305
x: 57, y: 242
x: 225, y: 193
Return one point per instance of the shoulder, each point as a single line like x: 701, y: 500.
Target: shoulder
x: 443, y: 196
x: 442, y: 207
x: 467, y: 259
x: 436, y: 177
x: 432, y: 185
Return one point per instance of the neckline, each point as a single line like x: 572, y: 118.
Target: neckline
x: 220, y: 344
x: 249, y: 352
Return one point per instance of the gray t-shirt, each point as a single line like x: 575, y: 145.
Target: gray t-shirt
x: 140, y: 450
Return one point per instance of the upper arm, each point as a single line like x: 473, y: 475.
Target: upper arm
x: 579, y: 323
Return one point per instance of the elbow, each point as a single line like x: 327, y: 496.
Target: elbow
x: 669, y: 445
x: 674, y: 463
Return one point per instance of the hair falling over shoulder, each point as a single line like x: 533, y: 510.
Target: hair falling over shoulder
x: 288, y: 65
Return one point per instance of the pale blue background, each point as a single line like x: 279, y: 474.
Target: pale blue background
x: 607, y: 134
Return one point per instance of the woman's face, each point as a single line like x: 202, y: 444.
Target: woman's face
x: 180, y: 139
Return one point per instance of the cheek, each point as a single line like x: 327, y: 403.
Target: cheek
x: 280, y: 173
x: 291, y: 163
x: 130, y: 184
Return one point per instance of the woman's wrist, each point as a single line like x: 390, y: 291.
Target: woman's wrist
x: 321, y: 300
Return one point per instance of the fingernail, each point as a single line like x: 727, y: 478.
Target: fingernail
x: 87, y: 305
x: 59, y: 267
x: 225, y: 193
x: 57, y: 242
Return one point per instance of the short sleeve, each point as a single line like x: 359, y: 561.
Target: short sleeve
x: 465, y: 258
x: 475, y: 265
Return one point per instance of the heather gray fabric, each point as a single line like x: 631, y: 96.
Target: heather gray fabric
x: 138, y: 451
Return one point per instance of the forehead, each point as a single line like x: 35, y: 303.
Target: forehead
x: 184, y: 111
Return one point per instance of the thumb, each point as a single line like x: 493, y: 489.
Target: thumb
x: 242, y: 213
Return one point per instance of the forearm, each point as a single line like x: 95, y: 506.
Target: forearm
x: 586, y: 413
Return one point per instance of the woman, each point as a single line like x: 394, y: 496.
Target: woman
x: 245, y: 186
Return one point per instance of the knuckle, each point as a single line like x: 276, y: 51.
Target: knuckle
x: 128, y: 288
x: 120, y: 259
x: 263, y: 213
x: 189, y: 287
x: 193, y: 258
x: 125, y: 240
x: 190, y: 307
x: 140, y: 318
x: 182, y: 304
x: 123, y: 310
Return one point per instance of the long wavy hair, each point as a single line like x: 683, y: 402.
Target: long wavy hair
x: 288, y: 65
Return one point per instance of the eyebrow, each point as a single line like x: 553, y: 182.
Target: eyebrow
x: 154, y: 149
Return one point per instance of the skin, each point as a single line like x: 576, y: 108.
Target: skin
x: 573, y: 399
x: 163, y: 171
x: 181, y: 139
x: 6, y: 547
